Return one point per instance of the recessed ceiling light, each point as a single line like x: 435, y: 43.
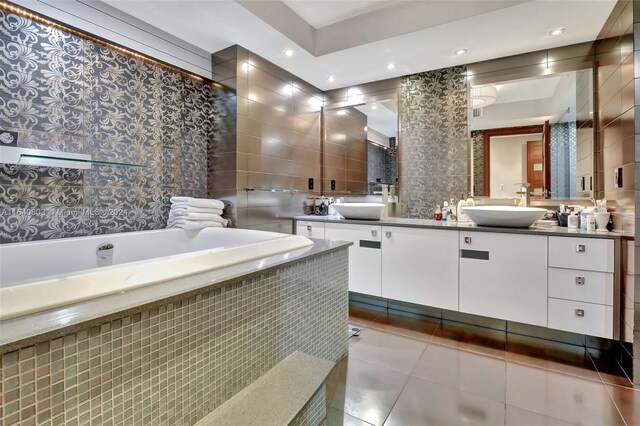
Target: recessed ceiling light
x: 288, y: 52
x: 374, y: 106
x: 557, y: 31
x: 461, y: 51
x: 331, y: 79
x: 391, y: 66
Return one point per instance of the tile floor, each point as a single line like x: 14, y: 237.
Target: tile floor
x: 409, y: 370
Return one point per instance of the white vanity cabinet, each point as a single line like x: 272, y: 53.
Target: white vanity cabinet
x: 504, y: 276
x: 420, y: 266
x: 581, y: 285
x: 364, y: 255
x: 310, y: 229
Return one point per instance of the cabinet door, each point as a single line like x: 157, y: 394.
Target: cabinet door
x: 420, y: 266
x: 310, y: 229
x: 364, y: 255
x: 504, y: 276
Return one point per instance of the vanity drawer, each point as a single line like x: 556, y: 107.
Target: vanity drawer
x: 583, y: 286
x: 580, y: 317
x: 581, y: 253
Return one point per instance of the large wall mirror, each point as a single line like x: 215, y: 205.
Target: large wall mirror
x: 537, y: 130
x: 360, y: 145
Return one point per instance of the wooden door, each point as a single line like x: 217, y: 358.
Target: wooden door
x: 535, y: 168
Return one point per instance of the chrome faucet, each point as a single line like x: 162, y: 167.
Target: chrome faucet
x: 524, y: 190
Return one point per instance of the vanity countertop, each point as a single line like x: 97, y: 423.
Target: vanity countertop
x: 437, y: 224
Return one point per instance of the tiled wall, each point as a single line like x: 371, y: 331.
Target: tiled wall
x: 584, y: 133
x: 272, y: 141
x: 615, y: 147
x: 477, y: 140
x: 434, y: 143
x: 174, y: 362
x: 615, y: 121
x: 345, y: 151
x: 376, y: 163
x: 66, y: 93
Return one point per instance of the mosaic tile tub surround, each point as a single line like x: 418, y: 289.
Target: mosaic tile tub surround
x: 174, y: 361
x: 65, y: 93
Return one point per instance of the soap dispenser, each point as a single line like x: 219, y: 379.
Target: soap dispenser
x: 462, y: 216
x: 445, y: 211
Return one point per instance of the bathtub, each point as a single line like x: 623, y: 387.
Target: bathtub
x: 42, y: 275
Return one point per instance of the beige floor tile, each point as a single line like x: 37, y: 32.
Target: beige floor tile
x: 337, y: 417
x: 519, y: 417
x: 463, y: 370
x: 414, y: 326
x: 423, y: 402
x: 628, y: 402
x: 364, y: 390
x: 561, y: 396
x: 387, y: 350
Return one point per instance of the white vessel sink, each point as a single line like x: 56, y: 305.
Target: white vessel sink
x: 504, y: 216
x: 368, y: 211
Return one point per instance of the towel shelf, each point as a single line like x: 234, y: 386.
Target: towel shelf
x: 39, y: 157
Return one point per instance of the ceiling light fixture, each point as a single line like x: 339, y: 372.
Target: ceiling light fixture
x: 288, y: 52
x: 461, y: 51
x: 557, y: 31
x: 483, y: 96
x: 391, y: 66
x: 374, y: 107
x: 331, y: 79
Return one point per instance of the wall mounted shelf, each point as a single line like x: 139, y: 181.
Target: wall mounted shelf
x: 39, y: 157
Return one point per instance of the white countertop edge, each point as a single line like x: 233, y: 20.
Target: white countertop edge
x: 463, y: 226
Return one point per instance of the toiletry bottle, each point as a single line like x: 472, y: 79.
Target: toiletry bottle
x: 470, y: 202
x: 591, y: 222
x: 453, y: 214
x: 438, y: 214
x: 445, y: 211
x: 462, y: 216
x: 573, y: 221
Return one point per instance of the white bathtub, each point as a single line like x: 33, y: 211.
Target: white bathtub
x: 41, y: 275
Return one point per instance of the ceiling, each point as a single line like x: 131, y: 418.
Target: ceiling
x: 320, y: 13
x: 355, y: 40
x: 380, y: 118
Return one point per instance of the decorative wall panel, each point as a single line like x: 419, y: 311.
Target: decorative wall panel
x: 434, y: 143
x: 477, y: 141
x: 66, y: 93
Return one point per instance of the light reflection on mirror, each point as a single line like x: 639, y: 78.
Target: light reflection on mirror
x: 537, y: 130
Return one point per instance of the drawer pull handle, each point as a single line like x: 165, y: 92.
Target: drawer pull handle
x: 308, y: 227
x: 580, y: 248
x: 374, y: 233
x: 388, y: 234
x: 579, y: 312
x: 579, y: 280
x: 467, y: 240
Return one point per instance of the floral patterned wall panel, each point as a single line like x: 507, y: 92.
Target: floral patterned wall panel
x: 434, y: 143
x: 66, y: 93
x: 477, y: 140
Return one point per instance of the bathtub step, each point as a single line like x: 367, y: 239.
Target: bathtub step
x: 276, y: 397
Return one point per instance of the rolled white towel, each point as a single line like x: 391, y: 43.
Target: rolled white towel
x: 198, y: 202
x: 195, y: 217
x: 185, y: 208
x: 188, y: 224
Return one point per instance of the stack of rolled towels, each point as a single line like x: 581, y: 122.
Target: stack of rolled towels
x: 195, y: 213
